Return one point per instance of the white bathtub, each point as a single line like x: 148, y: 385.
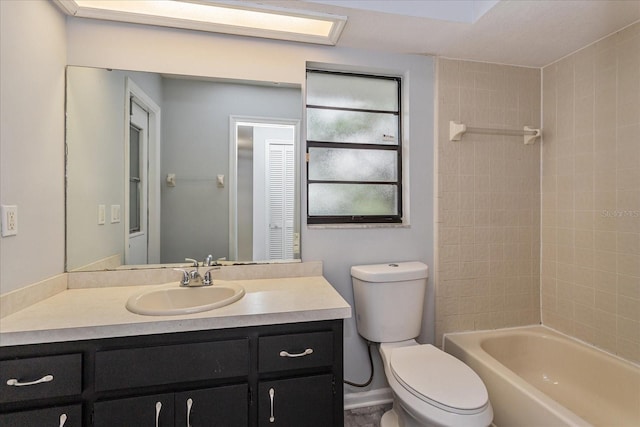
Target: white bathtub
x: 537, y: 377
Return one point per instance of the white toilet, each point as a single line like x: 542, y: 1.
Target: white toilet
x: 430, y: 387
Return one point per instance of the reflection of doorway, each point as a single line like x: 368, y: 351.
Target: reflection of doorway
x: 263, y: 204
x: 141, y: 212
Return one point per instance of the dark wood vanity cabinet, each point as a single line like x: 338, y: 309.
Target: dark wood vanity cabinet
x: 276, y: 375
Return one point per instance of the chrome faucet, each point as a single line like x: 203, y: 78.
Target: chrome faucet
x: 185, y: 276
x: 193, y: 277
x: 208, y: 280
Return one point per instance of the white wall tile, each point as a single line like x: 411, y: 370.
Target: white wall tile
x: 591, y: 283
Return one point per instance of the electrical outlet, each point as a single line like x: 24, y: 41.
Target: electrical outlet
x: 9, y: 220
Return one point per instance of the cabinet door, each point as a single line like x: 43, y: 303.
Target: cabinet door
x: 304, y: 401
x: 215, y: 407
x: 146, y: 411
x: 63, y: 416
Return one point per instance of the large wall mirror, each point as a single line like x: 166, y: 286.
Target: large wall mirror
x: 162, y: 167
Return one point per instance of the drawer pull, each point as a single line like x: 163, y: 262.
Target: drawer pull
x: 307, y: 352
x: 272, y: 394
x: 189, y: 406
x: 158, y: 409
x: 16, y: 383
x: 63, y: 420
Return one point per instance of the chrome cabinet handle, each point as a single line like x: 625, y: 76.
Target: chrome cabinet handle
x: 189, y: 405
x: 158, y: 409
x: 272, y: 394
x: 63, y: 420
x: 16, y: 383
x: 307, y: 352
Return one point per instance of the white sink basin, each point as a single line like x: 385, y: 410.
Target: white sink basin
x: 177, y: 300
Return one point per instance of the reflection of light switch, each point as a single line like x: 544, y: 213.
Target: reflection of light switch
x: 115, y: 214
x: 171, y: 180
x: 296, y: 243
x: 102, y: 215
x: 220, y: 180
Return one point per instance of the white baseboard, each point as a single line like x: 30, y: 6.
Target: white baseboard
x: 368, y: 398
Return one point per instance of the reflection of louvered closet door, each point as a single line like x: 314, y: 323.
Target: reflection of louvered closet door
x: 280, y: 200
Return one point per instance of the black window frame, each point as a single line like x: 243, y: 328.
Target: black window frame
x: 135, y: 211
x: 359, y: 219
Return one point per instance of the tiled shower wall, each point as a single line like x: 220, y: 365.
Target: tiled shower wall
x: 591, y: 194
x: 488, y: 253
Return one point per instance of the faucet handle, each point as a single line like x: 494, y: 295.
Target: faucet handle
x: 185, y: 276
x: 207, y: 261
x: 193, y: 262
x: 208, y: 280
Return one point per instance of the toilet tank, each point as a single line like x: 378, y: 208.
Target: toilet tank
x: 389, y: 300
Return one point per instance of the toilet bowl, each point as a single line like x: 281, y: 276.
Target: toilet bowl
x: 430, y: 387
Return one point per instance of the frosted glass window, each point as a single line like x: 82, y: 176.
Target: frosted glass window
x: 352, y: 91
x: 354, y: 148
x: 329, y: 164
x: 351, y: 126
x: 352, y: 199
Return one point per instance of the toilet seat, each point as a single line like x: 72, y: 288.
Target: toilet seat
x: 439, y: 379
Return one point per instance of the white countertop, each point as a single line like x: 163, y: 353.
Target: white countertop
x: 79, y: 314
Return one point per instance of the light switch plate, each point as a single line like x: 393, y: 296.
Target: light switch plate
x: 102, y: 214
x: 115, y: 214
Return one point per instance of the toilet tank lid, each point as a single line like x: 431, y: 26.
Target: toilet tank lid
x: 391, y: 272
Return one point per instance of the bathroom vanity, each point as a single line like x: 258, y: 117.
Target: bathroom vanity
x: 274, y: 358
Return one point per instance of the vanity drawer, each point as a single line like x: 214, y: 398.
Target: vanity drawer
x: 295, y: 351
x: 40, y: 377
x: 149, y: 366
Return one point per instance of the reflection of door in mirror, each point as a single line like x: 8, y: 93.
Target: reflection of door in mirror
x: 142, y: 166
x: 279, y: 198
x: 136, y: 210
x: 263, y: 214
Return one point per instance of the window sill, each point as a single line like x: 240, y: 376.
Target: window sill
x: 355, y: 226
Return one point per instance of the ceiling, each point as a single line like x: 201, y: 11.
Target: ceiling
x: 531, y: 33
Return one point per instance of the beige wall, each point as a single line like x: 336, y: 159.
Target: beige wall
x: 591, y: 194
x: 32, y: 63
x: 488, y: 199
